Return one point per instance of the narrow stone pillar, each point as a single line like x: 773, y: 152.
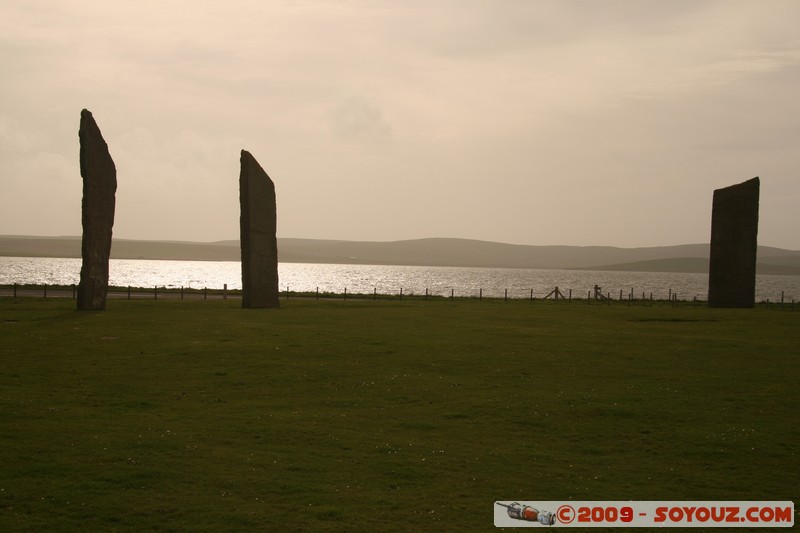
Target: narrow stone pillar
x: 734, y: 245
x: 259, y: 243
x: 97, y: 213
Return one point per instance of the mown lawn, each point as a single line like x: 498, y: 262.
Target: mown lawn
x: 384, y: 416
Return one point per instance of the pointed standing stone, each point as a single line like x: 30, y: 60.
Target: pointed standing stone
x: 258, y: 226
x: 97, y: 213
x: 734, y: 245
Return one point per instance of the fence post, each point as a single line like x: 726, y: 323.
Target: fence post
x: 426, y: 293
x: 480, y: 294
x: 225, y: 291
x: 155, y: 292
x: 781, y: 299
x: 45, y: 291
x: 401, y: 293
x: 15, y: 290
x: 345, y: 294
x: 531, y: 294
x: 317, y: 293
x: 375, y: 293
x: 287, y: 292
x: 505, y: 298
x: 181, y: 292
x: 452, y: 294
x: 570, y: 295
x: 205, y: 293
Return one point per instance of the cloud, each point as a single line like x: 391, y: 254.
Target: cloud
x: 356, y: 118
x: 14, y: 138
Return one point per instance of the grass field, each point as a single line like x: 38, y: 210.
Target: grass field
x: 384, y: 416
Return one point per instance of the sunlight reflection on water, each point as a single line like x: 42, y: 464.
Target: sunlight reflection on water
x: 388, y: 279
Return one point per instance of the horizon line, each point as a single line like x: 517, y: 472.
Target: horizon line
x: 216, y: 242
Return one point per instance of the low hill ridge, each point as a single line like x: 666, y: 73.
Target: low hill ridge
x: 418, y: 252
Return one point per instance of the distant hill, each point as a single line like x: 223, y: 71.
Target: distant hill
x: 120, y: 249
x: 421, y: 252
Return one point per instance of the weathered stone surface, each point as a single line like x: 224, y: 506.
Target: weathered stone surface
x: 97, y: 213
x: 258, y: 226
x: 734, y: 245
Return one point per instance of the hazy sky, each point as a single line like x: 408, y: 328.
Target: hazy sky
x: 522, y: 121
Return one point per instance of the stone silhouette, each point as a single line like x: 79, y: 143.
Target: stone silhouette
x: 734, y: 245
x: 97, y: 213
x: 259, y: 243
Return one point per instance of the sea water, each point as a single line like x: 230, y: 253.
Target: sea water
x: 390, y: 279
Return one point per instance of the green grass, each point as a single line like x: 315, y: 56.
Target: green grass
x: 391, y: 416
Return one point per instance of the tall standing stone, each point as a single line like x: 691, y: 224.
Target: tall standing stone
x: 97, y: 213
x: 258, y: 226
x: 734, y: 245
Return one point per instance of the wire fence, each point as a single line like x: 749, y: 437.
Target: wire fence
x: 559, y: 295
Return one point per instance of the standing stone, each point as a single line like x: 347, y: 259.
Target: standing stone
x: 97, y: 213
x: 734, y: 245
x: 258, y: 226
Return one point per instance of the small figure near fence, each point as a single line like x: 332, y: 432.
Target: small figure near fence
x: 598, y: 293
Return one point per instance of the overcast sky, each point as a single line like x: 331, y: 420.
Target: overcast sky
x: 522, y: 121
